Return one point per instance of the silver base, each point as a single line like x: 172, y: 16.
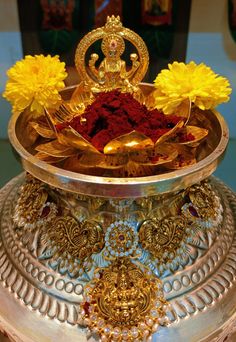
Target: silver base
x: 39, y: 304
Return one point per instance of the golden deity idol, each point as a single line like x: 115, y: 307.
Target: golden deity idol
x: 112, y: 72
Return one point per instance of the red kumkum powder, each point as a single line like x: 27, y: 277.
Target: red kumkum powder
x: 114, y: 113
x: 185, y: 137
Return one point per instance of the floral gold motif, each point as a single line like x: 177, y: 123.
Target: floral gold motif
x: 203, y: 199
x: 121, y: 240
x: 162, y: 238
x: 124, y: 303
x: 30, y: 204
x: 132, y: 154
x: 79, y: 240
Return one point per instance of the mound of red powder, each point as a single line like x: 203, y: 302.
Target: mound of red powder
x: 114, y: 113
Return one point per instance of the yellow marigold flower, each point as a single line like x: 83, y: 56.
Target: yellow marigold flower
x: 34, y: 82
x: 198, y: 83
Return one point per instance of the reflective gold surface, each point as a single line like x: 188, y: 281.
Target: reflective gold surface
x: 124, y: 303
x: 207, y: 161
x: 105, y: 262
x: 111, y: 72
x: 60, y: 139
x: 202, y: 294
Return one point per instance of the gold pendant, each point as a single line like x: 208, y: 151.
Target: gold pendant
x: 124, y: 302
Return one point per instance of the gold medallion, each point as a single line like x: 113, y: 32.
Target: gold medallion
x: 124, y: 302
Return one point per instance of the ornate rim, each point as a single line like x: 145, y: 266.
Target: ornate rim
x: 120, y: 187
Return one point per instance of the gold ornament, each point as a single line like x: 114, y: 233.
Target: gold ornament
x: 112, y: 72
x: 78, y: 240
x: 121, y: 240
x: 30, y: 204
x: 162, y: 238
x: 133, y: 154
x: 124, y: 303
x: 203, y: 199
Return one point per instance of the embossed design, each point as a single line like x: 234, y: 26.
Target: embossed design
x: 121, y: 205
x: 162, y: 238
x: 203, y: 284
x: 78, y: 240
x: 120, y: 240
x: 12, y: 275
x: 204, y: 207
x: 124, y: 302
x: 31, y: 209
x: 112, y: 70
x: 197, y: 236
x: 203, y: 199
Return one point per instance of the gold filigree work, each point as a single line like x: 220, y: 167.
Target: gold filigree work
x: 124, y: 303
x: 203, y: 199
x: 111, y: 72
x: 30, y: 204
x: 121, y: 240
x: 162, y: 238
x: 79, y: 240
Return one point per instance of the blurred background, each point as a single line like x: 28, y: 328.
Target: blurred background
x: 181, y: 30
